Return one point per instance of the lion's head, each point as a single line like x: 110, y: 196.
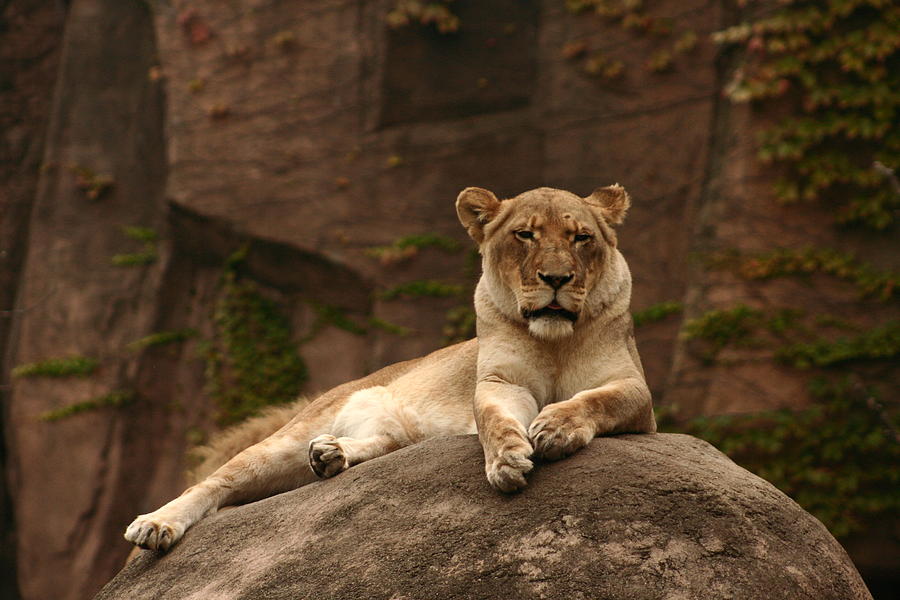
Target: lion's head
x: 549, y: 256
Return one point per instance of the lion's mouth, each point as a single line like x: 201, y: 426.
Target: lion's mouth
x: 551, y: 310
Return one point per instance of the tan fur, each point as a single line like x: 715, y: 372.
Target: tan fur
x: 229, y: 442
x: 553, y: 366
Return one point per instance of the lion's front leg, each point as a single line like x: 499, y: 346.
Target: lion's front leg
x: 565, y: 427
x: 502, y: 411
x: 561, y: 429
x: 372, y: 423
x: 330, y: 455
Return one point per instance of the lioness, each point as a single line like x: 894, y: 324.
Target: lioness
x: 554, y: 365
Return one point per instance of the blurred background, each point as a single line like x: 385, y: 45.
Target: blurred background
x: 207, y: 207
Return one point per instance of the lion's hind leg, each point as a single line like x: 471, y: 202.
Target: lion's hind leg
x: 274, y: 465
x: 373, y: 423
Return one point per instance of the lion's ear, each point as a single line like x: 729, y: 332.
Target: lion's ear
x: 476, y: 207
x: 612, y: 201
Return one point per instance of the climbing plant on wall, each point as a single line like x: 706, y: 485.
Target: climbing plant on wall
x: 835, y: 67
x: 252, y: 361
x: 437, y: 14
x: 830, y: 70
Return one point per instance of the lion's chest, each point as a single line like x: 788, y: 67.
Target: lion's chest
x: 565, y: 374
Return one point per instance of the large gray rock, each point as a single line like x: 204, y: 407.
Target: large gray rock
x: 635, y: 516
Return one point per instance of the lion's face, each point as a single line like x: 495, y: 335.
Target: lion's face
x: 545, y: 251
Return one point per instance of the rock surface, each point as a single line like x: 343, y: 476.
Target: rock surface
x: 635, y: 516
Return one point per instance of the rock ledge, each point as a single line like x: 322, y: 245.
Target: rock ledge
x: 630, y: 517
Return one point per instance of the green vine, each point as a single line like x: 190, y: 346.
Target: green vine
x: 94, y: 185
x: 334, y: 316
x: 876, y: 344
x: 719, y: 328
x: 656, y: 312
x: 432, y: 14
x: 636, y: 17
x: 409, y: 246
x: 388, y: 327
x: 809, y: 260
x: 794, y: 337
x: 252, y: 361
x: 141, y: 234
x: 111, y: 400
x: 72, y: 366
x: 836, y: 66
x: 135, y: 259
x: 422, y: 288
x: 162, y: 338
x: 146, y: 256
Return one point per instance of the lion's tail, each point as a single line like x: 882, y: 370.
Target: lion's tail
x: 225, y: 444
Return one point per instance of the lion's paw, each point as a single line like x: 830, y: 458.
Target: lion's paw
x: 154, y: 533
x: 559, y: 431
x: 326, y: 457
x: 506, y: 472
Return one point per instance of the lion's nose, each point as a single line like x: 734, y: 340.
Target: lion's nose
x: 555, y: 281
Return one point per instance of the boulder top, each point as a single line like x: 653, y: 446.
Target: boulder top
x: 629, y: 517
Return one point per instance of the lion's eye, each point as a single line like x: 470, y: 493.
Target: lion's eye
x: 582, y: 237
x: 524, y: 234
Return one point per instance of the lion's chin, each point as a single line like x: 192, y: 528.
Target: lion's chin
x: 550, y: 328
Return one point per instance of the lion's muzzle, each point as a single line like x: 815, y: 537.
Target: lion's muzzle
x: 555, y: 281
x: 547, y: 311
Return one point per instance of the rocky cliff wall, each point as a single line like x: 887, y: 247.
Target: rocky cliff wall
x: 218, y: 174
